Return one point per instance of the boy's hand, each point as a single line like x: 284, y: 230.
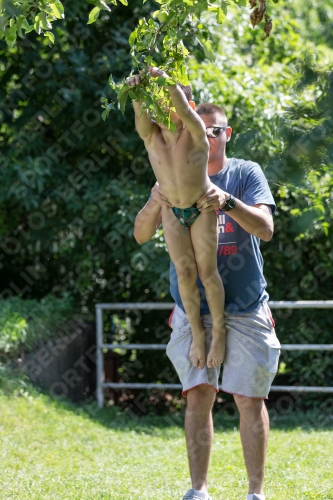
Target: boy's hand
x: 158, y: 197
x: 133, y: 80
x: 136, y: 79
x: 155, y: 72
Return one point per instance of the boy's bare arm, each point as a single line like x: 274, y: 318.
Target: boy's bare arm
x: 192, y: 120
x: 150, y: 216
x: 143, y: 122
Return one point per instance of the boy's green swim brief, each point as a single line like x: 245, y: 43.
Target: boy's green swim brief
x: 186, y: 216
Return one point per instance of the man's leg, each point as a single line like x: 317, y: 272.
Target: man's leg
x: 199, y: 433
x: 254, y: 428
x: 204, y: 241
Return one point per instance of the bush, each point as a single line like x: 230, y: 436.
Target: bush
x: 26, y: 324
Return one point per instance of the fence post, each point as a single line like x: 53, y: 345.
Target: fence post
x: 99, y: 357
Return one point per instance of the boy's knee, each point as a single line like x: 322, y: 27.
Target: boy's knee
x: 207, y: 274
x: 186, y: 274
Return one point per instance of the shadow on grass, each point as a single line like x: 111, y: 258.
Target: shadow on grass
x: 225, y: 419
x: 286, y: 412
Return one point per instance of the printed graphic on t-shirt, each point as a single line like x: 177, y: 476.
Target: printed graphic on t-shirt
x: 239, y: 259
x: 226, y: 230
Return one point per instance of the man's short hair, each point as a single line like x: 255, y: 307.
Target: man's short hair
x: 211, y: 109
x: 187, y: 89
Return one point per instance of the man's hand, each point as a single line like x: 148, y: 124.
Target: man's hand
x: 158, y: 197
x: 213, y: 199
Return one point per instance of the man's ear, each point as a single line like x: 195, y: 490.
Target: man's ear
x: 228, y: 133
x: 192, y: 104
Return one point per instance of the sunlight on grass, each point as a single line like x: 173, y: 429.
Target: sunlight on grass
x: 55, y: 450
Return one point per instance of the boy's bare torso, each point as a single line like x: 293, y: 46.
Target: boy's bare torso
x: 180, y: 165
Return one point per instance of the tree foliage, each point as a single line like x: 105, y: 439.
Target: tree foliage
x: 72, y: 184
x: 20, y: 18
x: 165, y: 41
x: 162, y: 40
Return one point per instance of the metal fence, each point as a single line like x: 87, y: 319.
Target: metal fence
x: 148, y: 306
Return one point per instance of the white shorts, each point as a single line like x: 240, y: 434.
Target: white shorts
x: 251, y: 358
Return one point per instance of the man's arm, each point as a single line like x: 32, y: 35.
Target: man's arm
x: 150, y: 217
x: 256, y: 220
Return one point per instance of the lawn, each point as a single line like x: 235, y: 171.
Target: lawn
x: 56, y: 450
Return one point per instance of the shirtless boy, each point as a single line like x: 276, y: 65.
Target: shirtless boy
x: 179, y: 160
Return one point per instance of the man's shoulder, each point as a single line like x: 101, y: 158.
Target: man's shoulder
x: 241, y: 164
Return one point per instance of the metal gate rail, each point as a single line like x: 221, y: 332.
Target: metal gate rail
x: 148, y: 306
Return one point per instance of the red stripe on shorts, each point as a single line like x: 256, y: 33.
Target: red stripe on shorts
x: 171, y: 316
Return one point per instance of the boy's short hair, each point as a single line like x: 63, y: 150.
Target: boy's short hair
x: 211, y: 109
x: 187, y: 89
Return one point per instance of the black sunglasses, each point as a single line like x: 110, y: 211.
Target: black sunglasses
x: 214, y: 130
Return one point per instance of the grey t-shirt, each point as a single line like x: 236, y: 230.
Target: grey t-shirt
x: 239, y: 259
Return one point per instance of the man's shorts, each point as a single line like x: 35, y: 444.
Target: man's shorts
x: 251, y: 358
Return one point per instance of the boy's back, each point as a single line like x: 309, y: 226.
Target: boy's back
x: 179, y: 158
x: 179, y: 164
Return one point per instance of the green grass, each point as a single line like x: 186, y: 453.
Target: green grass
x: 55, y: 450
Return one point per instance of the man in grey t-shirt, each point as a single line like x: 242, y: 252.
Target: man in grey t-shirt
x: 244, y: 205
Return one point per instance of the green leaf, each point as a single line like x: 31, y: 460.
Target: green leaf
x: 207, y: 48
x: 103, y: 6
x: 122, y: 103
x: 107, y: 109
x: 132, y: 37
x: 10, y: 36
x: 161, y: 80
x: 29, y: 28
x: 158, y: 111
x: 56, y: 9
x: 21, y: 23
x: 50, y: 35
x: 93, y: 15
x: 10, y: 8
x: 122, y: 91
x: 111, y: 82
x: 41, y: 23
x: 124, y: 2
x: 224, y: 6
x: 220, y: 17
x: 242, y: 3
x: 3, y: 22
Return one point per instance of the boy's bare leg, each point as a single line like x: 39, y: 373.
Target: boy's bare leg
x: 181, y: 253
x: 204, y: 241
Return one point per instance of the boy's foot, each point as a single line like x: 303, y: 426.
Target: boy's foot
x: 217, y: 350
x: 196, y: 495
x: 197, y: 352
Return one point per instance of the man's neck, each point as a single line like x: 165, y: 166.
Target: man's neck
x: 214, y: 167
